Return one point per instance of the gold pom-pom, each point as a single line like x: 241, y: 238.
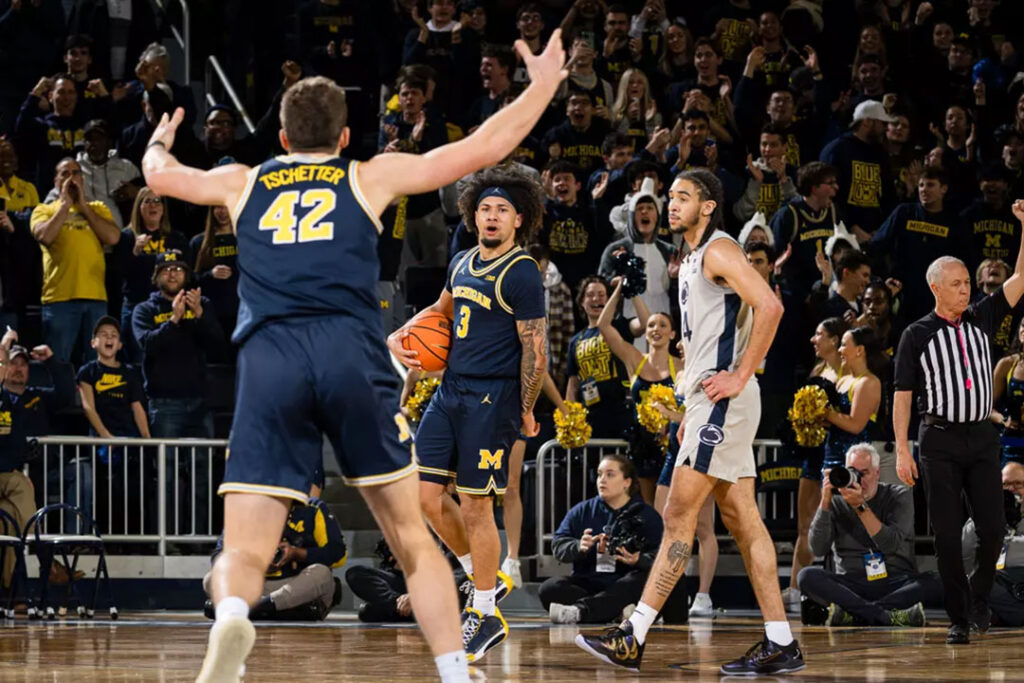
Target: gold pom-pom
x: 571, y: 427
x: 809, y: 416
x: 421, y: 394
x: 650, y: 417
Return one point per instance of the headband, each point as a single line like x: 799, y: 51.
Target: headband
x: 495, y: 191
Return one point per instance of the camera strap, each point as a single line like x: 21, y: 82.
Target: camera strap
x: 874, y: 561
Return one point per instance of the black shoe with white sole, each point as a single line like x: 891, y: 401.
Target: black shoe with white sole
x: 766, y: 658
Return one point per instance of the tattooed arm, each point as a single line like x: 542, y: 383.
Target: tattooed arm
x: 533, y: 335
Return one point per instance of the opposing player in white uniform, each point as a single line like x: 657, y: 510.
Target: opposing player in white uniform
x: 729, y: 317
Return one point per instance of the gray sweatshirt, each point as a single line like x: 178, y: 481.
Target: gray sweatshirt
x: 1014, y: 547
x: 841, y: 530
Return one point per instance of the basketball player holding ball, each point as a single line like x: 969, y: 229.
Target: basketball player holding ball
x: 494, y: 298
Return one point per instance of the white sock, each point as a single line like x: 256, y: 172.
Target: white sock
x: 642, y: 618
x: 706, y: 596
x: 452, y: 667
x: 778, y: 632
x: 231, y: 607
x: 483, y: 601
x: 467, y: 563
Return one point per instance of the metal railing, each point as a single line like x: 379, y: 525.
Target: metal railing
x: 141, y: 491
x: 565, y: 477
x: 214, y: 70
x: 183, y: 36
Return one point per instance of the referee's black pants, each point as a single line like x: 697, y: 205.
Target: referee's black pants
x: 958, y: 459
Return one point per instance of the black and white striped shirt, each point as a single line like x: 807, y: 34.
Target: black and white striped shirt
x: 948, y: 364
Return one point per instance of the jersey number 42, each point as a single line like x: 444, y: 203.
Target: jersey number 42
x: 280, y: 216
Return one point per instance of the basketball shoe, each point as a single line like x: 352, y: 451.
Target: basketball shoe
x: 766, y: 658
x: 230, y: 642
x: 480, y: 633
x: 616, y: 646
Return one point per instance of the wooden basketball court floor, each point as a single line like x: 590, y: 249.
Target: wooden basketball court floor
x: 167, y: 646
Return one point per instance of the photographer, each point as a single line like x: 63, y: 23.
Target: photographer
x: 610, y: 540
x: 869, y: 528
x: 384, y: 590
x: 1007, y: 598
x: 299, y: 585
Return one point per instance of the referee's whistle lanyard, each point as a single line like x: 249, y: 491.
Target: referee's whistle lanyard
x: 963, y: 348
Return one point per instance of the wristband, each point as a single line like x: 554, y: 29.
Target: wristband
x: 155, y: 143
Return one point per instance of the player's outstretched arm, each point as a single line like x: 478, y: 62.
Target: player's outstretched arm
x: 165, y: 175
x: 387, y: 176
x: 724, y: 260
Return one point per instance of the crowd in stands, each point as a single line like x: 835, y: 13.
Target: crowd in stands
x: 856, y: 141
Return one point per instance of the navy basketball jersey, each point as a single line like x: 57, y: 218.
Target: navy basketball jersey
x: 489, y: 297
x: 307, y: 243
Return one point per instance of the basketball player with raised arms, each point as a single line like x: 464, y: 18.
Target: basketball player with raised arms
x: 729, y: 318
x: 312, y: 360
x: 494, y: 296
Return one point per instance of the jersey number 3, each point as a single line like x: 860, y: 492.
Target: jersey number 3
x: 280, y: 216
x: 463, y: 328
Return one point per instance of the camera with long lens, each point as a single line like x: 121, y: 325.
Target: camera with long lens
x: 843, y: 477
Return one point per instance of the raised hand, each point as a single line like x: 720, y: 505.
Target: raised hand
x: 178, y: 306
x: 1018, y: 210
x: 140, y: 243
x: 165, y: 130
x: 755, y: 172
x: 194, y: 301
x: 547, y: 69
x: 600, y: 186
x: 292, y: 72
x: 810, y: 59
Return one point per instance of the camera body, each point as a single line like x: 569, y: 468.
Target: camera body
x: 843, y: 477
x: 627, y: 530
x: 278, y: 555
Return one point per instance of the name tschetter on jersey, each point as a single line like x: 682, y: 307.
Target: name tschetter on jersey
x: 301, y: 174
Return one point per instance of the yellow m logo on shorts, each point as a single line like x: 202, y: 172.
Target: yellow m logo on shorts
x: 490, y: 460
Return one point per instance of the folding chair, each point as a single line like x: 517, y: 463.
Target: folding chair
x: 11, y: 538
x: 46, y: 546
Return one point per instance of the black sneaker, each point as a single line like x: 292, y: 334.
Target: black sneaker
x: 981, y: 617
x: 958, y: 634
x: 616, y: 646
x: 766, y: 657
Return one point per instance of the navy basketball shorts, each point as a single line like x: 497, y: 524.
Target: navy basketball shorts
x: 301, y: 379
x: 467, y: 433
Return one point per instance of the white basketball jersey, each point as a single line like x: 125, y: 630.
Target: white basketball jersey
x: 716, y: 324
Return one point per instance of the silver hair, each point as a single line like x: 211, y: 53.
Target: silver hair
x: 154, y: 51
x: 938, y: 265
x: 864, y: 447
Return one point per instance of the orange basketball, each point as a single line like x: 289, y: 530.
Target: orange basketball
x: 430, y: 333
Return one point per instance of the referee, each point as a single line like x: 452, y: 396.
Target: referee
x: 944, y: 360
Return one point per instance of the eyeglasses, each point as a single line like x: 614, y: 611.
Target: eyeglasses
x: 153, y: 200
x: 175, y: 269
x: 1013, y: 484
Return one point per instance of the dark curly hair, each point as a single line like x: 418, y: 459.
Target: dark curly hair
x: 528, y: 196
